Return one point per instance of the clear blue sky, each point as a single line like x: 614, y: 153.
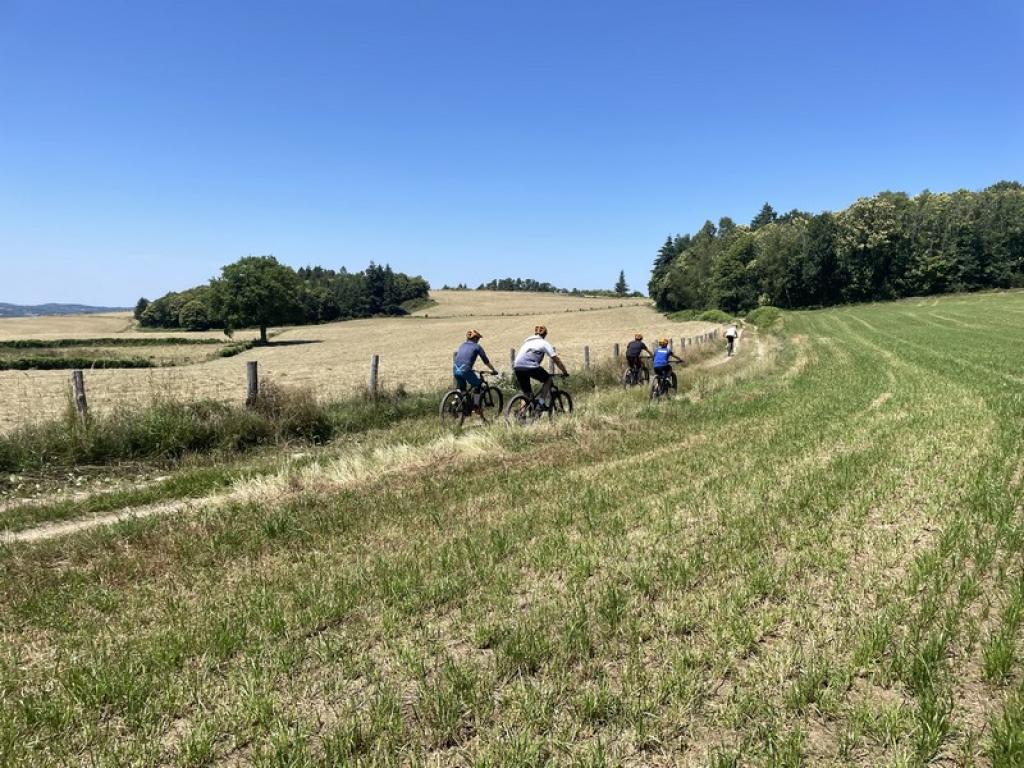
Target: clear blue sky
x: 143, y: 145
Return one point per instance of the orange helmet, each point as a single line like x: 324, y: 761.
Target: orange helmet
x: 540, y: 330
x: 473, y: 334
x: 662, y: 342
x: 639, y: 337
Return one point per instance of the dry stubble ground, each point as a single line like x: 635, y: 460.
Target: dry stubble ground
x: 415, y: 351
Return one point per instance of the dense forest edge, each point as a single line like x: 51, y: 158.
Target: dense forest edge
x: 885, y: 247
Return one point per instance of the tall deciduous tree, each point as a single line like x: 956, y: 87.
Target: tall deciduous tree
x: 256, y: 291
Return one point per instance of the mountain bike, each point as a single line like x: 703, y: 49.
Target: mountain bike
x: 634, y: 376
x: 664, y: 385
x: 457, y: 404
x: 524, y: 409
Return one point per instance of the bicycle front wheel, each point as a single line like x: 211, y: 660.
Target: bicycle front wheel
x: 491, y: 403
x: 452, y: 408
x: 561, y: 403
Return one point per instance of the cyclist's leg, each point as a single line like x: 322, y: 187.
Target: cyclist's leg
x: 523, y: 380
x: 474, y: 385
x: 546, y: 381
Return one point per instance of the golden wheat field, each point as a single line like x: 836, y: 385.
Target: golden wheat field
x: 333, y: 359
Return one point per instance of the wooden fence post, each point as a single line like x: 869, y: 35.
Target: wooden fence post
x: 512, y: 357
x: 586, y: 358
x: 374, y: 365
x: 78, y: 393
x: 615, y: 351
x: 670, y: 344
x: 252, y: 383
x: 551, y: 366
x: 455, y: 382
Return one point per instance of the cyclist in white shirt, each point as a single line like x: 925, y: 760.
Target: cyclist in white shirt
x: 529, y: 364
x: 731, y: 334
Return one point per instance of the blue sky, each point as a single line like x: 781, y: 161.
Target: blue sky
x: 143, y: 145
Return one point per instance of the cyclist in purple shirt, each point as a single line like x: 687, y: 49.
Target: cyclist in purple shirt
x: 465, y: 359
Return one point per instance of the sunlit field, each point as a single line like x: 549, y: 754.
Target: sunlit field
x: 333, y: 359
x: 812, y: 556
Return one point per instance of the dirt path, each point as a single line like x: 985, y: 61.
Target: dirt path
x: 65, y: 527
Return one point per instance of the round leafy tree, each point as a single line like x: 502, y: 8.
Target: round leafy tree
x: 256, y: 291
x: 194, y: 316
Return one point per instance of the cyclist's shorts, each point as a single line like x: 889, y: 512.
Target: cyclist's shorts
x: 634, y: 362
x: 465, y: 376
x: 663, y: 370
x: 523, y: 376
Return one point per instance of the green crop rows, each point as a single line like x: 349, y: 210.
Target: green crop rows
x: 813, y: 559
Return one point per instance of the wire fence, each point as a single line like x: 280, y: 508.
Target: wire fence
x: 32, y: 396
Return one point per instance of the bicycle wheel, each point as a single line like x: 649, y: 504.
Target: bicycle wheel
x: 628, y: 379
x: 561, y: 403
x: 658, y: 388
x: 521, y: 410
x: 452, y: 408
x: 491, y: 403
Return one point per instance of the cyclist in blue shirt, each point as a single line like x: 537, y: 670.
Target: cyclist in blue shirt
x: 465, y: 359
x: 662, y: 362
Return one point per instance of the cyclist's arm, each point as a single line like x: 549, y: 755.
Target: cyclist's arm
x: 483, y: 356
x: 678, y: 358
x: 558, y: 361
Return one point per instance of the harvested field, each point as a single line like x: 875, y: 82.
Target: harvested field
x: 415, y: 351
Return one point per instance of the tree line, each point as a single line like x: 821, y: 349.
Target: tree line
x: 528, y: 284
x: 884, y: 247
x: 258, y: 291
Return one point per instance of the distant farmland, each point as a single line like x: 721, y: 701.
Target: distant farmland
x: 415, y: 351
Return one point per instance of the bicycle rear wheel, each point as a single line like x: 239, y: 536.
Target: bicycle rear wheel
x: 453, y: 408
x: 522, y: 410
x: 628, y: 379
x: 659, y: 388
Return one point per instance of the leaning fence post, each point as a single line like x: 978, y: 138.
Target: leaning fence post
x: 512, y: 357
x: 252, y: 383
x: 78, y: 393
x: 374, y: 365
x: 669, y: 343
x: 586, y: 358
x: 615, y: 351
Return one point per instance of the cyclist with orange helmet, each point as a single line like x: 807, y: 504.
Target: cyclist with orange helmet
x: 529, y: 364
x: 633, y: 351
x: 663, y: 357
x: 465, y: 359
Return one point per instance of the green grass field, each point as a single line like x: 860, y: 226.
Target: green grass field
x: 816, y: 557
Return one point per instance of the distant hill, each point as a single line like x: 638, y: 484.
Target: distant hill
x: 18, y: 310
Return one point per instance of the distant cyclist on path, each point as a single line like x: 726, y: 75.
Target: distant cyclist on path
x: 731, y: 334
x: 663, y: 357
x: 529, y: 364
x: 633, y: 351
x: 465, y: 359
